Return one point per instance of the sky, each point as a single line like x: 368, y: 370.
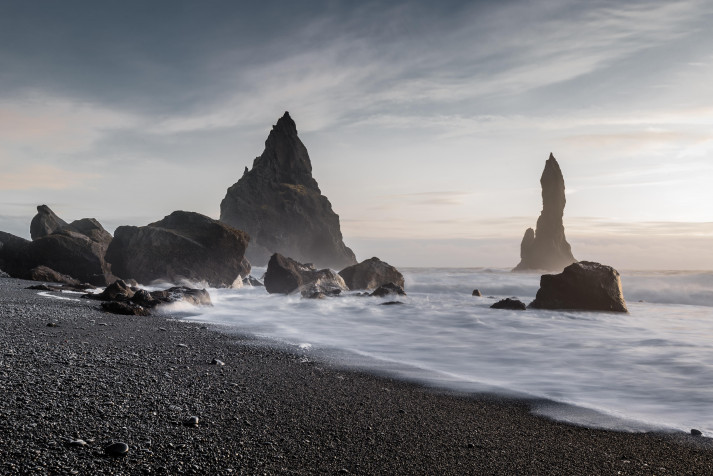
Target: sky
x: 428, y: 123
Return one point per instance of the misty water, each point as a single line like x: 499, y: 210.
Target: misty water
x: 649, y: 369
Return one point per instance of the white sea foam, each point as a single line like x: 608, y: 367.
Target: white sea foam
x: 649, y: 368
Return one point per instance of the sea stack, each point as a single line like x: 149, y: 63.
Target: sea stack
x: 279, y: 204
x: 546, y: 247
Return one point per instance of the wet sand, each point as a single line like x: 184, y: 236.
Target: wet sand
x: 69, y: 371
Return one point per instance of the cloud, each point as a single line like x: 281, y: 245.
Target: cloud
x: 43, y: 177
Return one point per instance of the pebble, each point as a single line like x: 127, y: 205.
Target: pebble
x: 116, y: 449
x: 77, y: 442
x: 191, y: 421
x: 217, y: 362
x: 182, y: 345
x: 695, y: 432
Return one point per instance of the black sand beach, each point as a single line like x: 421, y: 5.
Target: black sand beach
x: 69, y: 371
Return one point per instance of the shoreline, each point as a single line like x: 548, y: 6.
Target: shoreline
x: 102, y: 378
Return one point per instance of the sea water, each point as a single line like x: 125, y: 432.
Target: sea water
x: 649, y: 369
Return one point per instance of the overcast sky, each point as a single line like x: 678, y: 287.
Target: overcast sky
x: 428, y: 123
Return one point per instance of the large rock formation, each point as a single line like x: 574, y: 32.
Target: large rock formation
x: 279, y: 204
x: 76, y: 249
x: 370, y: 274
x: 45, y: 222
x: 184, y: 245
x: 546, y: 247
x: 285, y: 275
x: 585, y: 285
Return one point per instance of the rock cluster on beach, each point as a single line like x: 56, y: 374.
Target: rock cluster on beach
x: 285, y: 275
x: 546, y: 247
x: 121, y: 298
x: 182, y: 246
x: 279, y: 204
x: 76, y: 249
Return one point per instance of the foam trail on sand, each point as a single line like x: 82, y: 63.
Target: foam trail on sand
x: 651, y: 366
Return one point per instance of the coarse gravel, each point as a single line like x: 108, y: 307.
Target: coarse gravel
x: 75, y: 380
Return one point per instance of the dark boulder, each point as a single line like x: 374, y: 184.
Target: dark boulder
x: 48, y: 275
x: 45, y: 222
x: 477, y: 293
x: 14, y: 256
x: 509, y: 303
x: 116, y: 291
x: 285, y: 275
x: 124, y: 308
x: 370, y: 274
x: 197, y: 297
x: 546, y: 248
x: 66, y: 250
x: 70, y: 252
x: 182, y: 246
x: 279, y: 204
x: 387, y: 290
x: 582, y: 286
x: 252, y: 281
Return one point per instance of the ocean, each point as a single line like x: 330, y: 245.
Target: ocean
x: 649, y: 369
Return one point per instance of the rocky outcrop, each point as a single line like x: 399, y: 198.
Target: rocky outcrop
x: 512, y: 304
x: 182, y: 246
x: 48, y: 275
x: 370, y: 274
x: 279, y: 204
x: 76, y: 250
x: 14, y: 255
x: 387, y: 290
x: 120, y: 298
x: 584, y: 286
x: 45, y: 222
x: 285, y: 275
x: 546, y: 248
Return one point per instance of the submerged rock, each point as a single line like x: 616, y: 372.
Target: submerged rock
x: 388, y: 289
x: 509, y: 303
x: 279, y: 204
x: 477, y: 293
x: 184, y: 245
x: 546, y: 248
x: 285, y: 275
x: 370, y: 274
x: 584, y: 285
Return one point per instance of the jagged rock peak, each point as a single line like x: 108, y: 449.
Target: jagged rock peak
x: 285, y: 158
x: 546, y: 247
x: 279, y: 204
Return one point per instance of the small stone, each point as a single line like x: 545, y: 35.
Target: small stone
x: 217, y: 362
x: 77, y: 442
x: 52, y: 324
x: 191, y: 421
x: 182, y: 345
x: 476, y: 292
x: 695, y: 432
x: 116, y: 449
x: 391, y: 303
